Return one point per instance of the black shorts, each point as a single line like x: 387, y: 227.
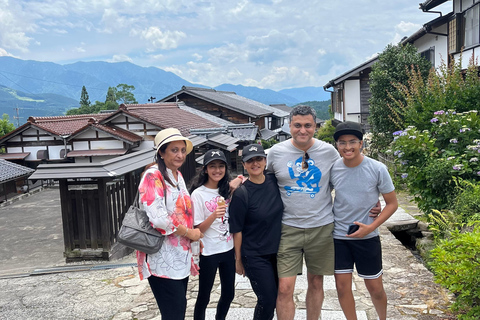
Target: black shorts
x: 366, y: 254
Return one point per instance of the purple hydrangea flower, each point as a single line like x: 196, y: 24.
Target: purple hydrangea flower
x: 404, y: 175
x: 453, y: 141
x: 439, y: 112
x: 397, y: 133
x: 434, y: 120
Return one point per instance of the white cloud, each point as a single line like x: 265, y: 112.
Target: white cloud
x: 268, y: 43
x: 158, y: 39
x: 120, y: 58
x: 4, y: 53
x: 197, y: 56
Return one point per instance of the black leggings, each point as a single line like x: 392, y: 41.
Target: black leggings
x: 225, y: 263
x: 262, y: 273
x: 171, y: 296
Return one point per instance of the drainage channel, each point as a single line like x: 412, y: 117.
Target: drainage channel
x: 63, y: 269
x: 409, y: 239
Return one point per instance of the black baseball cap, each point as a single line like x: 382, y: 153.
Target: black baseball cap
x: 214, y: 154
x: 252, y: 150
x: 348, y: 127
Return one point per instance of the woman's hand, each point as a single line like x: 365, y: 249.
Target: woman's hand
x: 235, y: 183
x: 194, y: 234
x: 239, y: 267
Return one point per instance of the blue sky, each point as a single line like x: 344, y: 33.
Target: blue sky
x: 276, y: 44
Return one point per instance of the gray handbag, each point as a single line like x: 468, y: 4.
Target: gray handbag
x: 137, y: 232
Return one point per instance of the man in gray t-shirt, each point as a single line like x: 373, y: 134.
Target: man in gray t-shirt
x: 358, y: 180
x: 302, y: 167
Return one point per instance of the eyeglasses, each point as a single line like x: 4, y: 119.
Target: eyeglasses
x: 305, y: 161
x: 343, y: 144
x: 255, y: 159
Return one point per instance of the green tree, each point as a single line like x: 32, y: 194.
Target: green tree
x: 5, y: 125
x: 84, y: 99
x: 124, y: 94
x: 392, y: 68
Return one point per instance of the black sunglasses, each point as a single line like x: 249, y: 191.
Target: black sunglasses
x: 256, y: 159
x: 305, y: 161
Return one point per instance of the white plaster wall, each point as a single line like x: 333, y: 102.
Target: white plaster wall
x: 146, y: 145
x: 352, y: 100
x: 16, y: 138
x: 106, y: 144
x: 135, y: 126
x: 437, y: 41
x: 467, y: 55
x: 80, y: 145
x: 33, y: 152
x: 89, y: 134
x: 30, y: 138
x: 54, y: 151
x: 46, y: 138
x: 14, y: 150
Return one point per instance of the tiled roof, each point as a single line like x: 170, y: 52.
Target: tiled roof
x: 118, y: 132
x: 10, y: 171
x: 168, y: 115
x: 228, y: 100
x: 282, y: 107
x: 204, y: 115
x: 66, y: 125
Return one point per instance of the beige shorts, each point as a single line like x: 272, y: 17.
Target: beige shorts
x: 315, y: 243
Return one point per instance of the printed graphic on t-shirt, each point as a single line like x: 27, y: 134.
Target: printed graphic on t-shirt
x: 223, y: 227
x: 307, y: 180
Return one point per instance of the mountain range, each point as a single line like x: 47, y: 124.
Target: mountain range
x: 35, y: 88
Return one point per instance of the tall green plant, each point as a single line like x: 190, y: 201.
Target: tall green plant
x: 390, y: 70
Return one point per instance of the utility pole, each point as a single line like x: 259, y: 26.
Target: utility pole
x: 17, y: 117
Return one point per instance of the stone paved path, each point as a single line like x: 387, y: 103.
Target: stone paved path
x: 29, y: 292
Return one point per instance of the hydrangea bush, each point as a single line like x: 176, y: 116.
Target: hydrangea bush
x: 428, y: 160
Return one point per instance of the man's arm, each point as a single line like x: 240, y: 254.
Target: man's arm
x: 391, y: 205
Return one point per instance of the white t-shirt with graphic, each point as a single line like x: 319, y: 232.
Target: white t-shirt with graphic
x: 217, y: 238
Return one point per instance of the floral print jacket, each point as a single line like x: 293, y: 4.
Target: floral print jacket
x: 174, y: 260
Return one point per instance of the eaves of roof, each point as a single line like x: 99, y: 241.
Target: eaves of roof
x: 348, y: 74
x: 106, y: 169
x: 11, y: 171
x: 226, y: 99
x: 13, y: 133
x: 224, y: 141
x: 427, y: 27
x: 118, y: 133
x: 430, y: 4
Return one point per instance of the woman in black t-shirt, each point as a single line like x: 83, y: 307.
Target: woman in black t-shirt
x: 255, y: 222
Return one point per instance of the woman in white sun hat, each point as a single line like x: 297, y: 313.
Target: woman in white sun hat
x: 166, y: 200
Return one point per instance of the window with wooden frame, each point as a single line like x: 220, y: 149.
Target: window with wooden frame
x: 471, y: 26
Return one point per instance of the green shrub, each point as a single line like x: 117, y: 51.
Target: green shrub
x: 456, y: 265
x: 467, y: 203
x: 326, y: 132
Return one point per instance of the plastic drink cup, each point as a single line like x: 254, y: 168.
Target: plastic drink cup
x: 195, y: 245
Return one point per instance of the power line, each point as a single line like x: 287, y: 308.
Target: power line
x: 16, y: 83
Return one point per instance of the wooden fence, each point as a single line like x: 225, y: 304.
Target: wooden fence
x: 92, y: 213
